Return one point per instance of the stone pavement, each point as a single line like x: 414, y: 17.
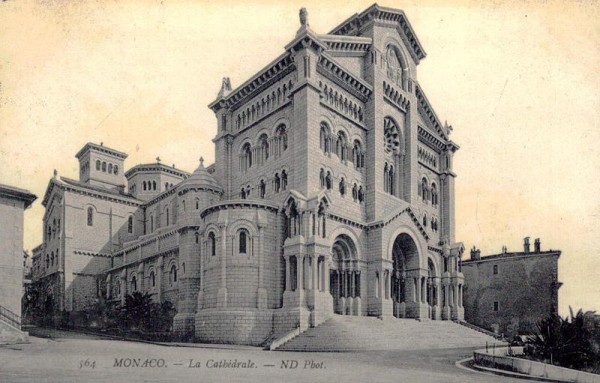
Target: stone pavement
x: 82, y: 358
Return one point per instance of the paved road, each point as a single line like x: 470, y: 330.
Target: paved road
x: 63, y: 359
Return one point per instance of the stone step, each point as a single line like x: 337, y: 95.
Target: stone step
x: 346, y: 333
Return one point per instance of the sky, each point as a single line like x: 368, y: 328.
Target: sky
x: 519, y: 81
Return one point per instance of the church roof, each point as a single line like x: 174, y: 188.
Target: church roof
x: 201, y: 179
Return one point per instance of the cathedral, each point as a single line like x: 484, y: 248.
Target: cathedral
x: 332, y: 193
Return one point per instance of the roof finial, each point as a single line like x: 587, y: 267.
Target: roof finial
x: 158, y: 159
x: 225, y: 87
x: 55, y: 173
x: 201, y: 162
x: 303, y: 17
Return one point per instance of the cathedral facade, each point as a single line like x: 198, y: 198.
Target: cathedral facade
x: 332, y: 192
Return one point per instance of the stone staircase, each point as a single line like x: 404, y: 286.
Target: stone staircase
x: 10, y: 328
x: 353, y: 333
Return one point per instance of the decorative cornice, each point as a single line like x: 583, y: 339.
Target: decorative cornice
x: 272, y: 73
x: 395, y: 96
x: 101, y: 149
x: 157, y: 167
x: 386, y: 16
x: 19, y: 194
x: 431, y: 140
x: 338, y: 74
x: 107, y: 196
x: 426, y: 109
x: 91, y: 253
x: 347, y: 45
x: 236, y: 204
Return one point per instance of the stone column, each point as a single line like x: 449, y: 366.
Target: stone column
x: 325, y: 275
x: 123, y: 281
x: 262, y: 292
x: 315, y: 273
x: 159, y: 278
x: 288, y: 281
x: 222, y: 292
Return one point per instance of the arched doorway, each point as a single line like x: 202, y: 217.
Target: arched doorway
x: 405, y: 257
x: 344, y: 278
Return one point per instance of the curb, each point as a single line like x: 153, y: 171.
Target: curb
x: 487, y: 371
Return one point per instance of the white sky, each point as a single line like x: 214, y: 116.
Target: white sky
x: 519, y: 81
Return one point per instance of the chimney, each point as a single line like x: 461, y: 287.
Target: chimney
x: 537, y: 245
x: 526, y: 244
x: 475, y: 254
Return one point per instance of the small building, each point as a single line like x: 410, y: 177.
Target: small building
x: 13, y: 202
x: 510, y: 292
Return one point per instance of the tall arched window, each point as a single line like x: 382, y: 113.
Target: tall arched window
x: 90, y: 216
x: 340, y: 145
x: 434, y: 194
x: 152, y: 279
x: 355, y: 192
x: 173, y: 275
x: 243, y: 241
x: 328, y: 181
x: 144, y: 185
x: 110, y: 168
x: 98, y: 164
x: 197, y: 204
x: 262, y: 189
x: 130, y: 224
x: 357, y: 155
x: 133, y: 283
x: 283, y: 180
x: 342, y: 186
x: 282, y: 138
x: 322, y: 178
x: 116, y: 170
x: 246, y: 156
x: 277, y: 183
x: 52, y: 259
x: 153, y: 185
x: 361, y: 194
x: 324, y: 137
x: 47, y: 261
x: 424, y: 190
x: 151, y: 223
x: 322, y: 214
x: 212, y: 244
x: 391, y: 180
x: 386, y: 178
x: 167, y: 216
x: 103, y: 166
x: 264, y: 147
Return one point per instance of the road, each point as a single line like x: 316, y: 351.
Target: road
x: 71, y: 357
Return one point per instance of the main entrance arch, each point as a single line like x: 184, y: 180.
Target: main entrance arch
x: 405, y: 278
x: 345, y: 277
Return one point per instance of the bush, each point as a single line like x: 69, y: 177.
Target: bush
x: 568, y: 342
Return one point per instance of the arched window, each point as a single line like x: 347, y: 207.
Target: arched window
x: 282, y: 138
x: 264, y: 147
x: 197, y: 237
x: 90, y: 216
x: 133, y: 283
x: 166, y: 186
x: 197, y: 203
x: 322, y: 214
x: 424, y: 190
x: 103, y: 166
x: 152, y: 279
x: 283, y: 180
x: 342, y: 186
x: 98, y: 164
x: 386, y: 178
x: 47, y: 261
x: 144, y: 185
x: 277, y: 183
x: 328, y: 181
x: 434, y: 194
x: 167, y: 215
x: 243, y: 193
x: 262, y: 189
x: 248, y: 191
x: 324, y: 138
x: 153, y: 185
x: 322, y: 178
x: 52, y: 258
x: 391, y: 180
x: 425, y: 220
x: 355, y: 192
x: 361, y: 194
x: 246, y: 156
x: 173, y: 275
x: 110, y: 168
x: 243, y: 241
x: 212, y: 244
x: 116, y: 170
x: 340, y: 146
x: 130, y: 224
x: 151, y: 223
x: 357, y: 155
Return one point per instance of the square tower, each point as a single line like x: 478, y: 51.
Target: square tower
x: 101, y: 166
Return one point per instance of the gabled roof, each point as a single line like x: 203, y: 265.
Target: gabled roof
x: 79, y: 187
x: 351, y: 26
